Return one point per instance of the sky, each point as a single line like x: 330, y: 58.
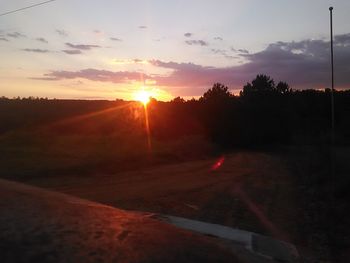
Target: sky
x: 88, y: 49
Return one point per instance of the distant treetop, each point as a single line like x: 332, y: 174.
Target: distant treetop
x: 218, y: 92
x: 264, y: 85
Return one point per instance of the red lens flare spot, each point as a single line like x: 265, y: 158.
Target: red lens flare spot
x: 218, y: 163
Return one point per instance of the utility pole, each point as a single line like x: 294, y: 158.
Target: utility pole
x: 332, y: 62
x: 332, y: 230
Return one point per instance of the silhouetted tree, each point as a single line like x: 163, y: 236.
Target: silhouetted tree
x: 216, y: 109
x: 218, y: 92
x: 261, y: 85
x: 283, y: 88
x: 178, y: 100
x: 265, y: 113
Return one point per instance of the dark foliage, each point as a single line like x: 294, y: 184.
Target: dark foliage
x: 263, y: 114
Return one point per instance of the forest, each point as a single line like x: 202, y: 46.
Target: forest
x: 264, y: 113
x: 43, y: 140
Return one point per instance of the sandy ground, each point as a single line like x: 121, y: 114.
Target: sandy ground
x: 247, y: 191
x: 43, y: 226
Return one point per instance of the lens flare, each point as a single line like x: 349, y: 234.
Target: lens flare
x: 218, y: 163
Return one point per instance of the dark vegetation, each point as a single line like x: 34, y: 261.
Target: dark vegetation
x: 263, y: 114
x: 43, y: 138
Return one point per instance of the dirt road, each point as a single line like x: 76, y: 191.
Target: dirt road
x: 246, y: 190
x: 43, y: 226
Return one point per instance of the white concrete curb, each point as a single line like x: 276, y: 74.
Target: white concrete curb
x: 240, y: 236
x: 264, y: 246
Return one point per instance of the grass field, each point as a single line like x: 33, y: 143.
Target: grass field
x: 282, y: 191
x: 250, y: 190
x: 26, y: 155
x: 273, y: 193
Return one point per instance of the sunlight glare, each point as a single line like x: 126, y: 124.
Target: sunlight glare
x: 143, y: 96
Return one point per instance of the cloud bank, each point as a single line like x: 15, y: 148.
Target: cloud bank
x: 96, y: 75
x: 72, y: 51
x: 82, y: 46
x: 196, y: 42
x: 42, y: 40
x: 16, y: 35
x: 115, y: 39
x: 303, y: 64
x: 61, y: 32
x: 36, y: 50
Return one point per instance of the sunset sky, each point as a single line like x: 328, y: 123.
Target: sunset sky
x: 91, y: 49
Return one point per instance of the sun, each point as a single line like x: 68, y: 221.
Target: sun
x: 143, y: 96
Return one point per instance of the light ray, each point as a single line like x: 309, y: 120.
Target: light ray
x: 264, y: 220
x: 148, y: 131
x: 88, y: 115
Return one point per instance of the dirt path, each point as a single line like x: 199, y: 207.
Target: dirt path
x: 251, y: 191
x: 44, y: 226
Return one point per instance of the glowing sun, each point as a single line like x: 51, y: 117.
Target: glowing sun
x: 143, y: 96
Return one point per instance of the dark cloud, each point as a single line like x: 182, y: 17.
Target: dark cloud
x: 44, y: 78
x: 240, y: 50
x: 342, y: 39
x: 36, y: 50
x: 4, y: 39
x: 82, y: 46
x: 16, y: 35
x: 95, y: 75
x: 115, y: 39
x: 143, y: 27
x: 61, y: 32
x: 223, y: 53
x: 243, y: 51
x: 41, y: 39
x: 197, y: 42
x: 188, y: 34
x: 303, y: 64
x: 72, y: 51
x: 218, y: 38
x: 199, y: 77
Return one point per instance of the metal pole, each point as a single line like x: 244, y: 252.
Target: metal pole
x: 332, y: 90
x: 332, y: 235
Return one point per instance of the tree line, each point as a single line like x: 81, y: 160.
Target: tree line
x: 264, y: 113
